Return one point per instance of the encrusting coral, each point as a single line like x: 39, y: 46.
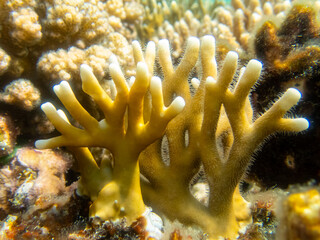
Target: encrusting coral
x: 22, y: 93
x: 215, y: 129
x: 300, y: 216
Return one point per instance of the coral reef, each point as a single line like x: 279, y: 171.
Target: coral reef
x: 290, y: 53
x: 199, y: 135
x: 116, y: 193
x: 233, y: 25
x: 213, y: 129
x: 21, y: 93
x: 300, y: 216
x: 42, y: 43
x: 8, y: 135
x: 31, y: 28
x: 4, y: 61
x: 35, y: 200
x: 194, y: 172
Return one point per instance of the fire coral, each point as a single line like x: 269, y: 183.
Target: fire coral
x: 213, y: 126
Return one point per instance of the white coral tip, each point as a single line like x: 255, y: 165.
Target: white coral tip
x: 178, y: 104
x: 232, y: 56
x: 85, y: 68
x: 195, y: 83
x: 254, y: 65
x: 300, y: 124
x: 193, y: 41
x: 47, y: 107
x: 63, y: 86
x: 289, y: 98
x: 85, y: 71
x: 40, y: 144
x: 208, y: 41
x: 163, y: 44
x: 210, y: 81
x: 155, y: 84
x: 113, y: 59
x: 151, y: 46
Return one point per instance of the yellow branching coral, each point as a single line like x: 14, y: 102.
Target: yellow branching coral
x: 215, y: 129
x: 115, y: 191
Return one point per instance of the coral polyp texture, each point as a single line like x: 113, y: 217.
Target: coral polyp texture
x: 214, y: 129
x: 300, y: 216
x: 115, y: 191
x: 290, y: 52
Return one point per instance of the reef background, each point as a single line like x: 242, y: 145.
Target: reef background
x: 44, y: 42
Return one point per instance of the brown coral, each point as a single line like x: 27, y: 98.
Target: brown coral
x: 290, y: 52
x: 4, y: 61
x: 64, y: 65
x: 25, y: 27
x: 21, y: 93
x: 301, y: 216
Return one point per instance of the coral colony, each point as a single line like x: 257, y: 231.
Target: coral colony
x: 213, y: 127
x: 179, y: 119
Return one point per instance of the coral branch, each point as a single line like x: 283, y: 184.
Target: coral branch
x: 115, y: 190
x: 214, y: 128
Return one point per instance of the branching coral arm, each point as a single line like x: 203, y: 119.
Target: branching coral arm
x: 160, y: 115
x: 273, y: 121
x: 149, y: 56
x: 224, y: 171
x: 93, y: 177
x: 116, y: 191
x: 94, y: 132
x: 176, y: 81
x: 91, y: 86
x: 62, y: 126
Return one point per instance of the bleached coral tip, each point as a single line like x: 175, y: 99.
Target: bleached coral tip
x: 56, y: 88
x: 85, y: 68
x: 132, y: 79
x: 294, y: 93
x: 178, y: 104
x: 113, y: 59
x: 47, y: 106
x: 195, y: 83
x: 210, y: 81
x: 151, y: 44
x: 208, y: 39
x: 193, y: 40
x: 135, y: 43
x: 86, y: 73
x: 255, y: 64
x: 232, y: 55
x: 239, y: 11
x: 114, y: 68
x: 64, y: 84
x: 289, y: 98
x: 163, y: 43
x: 300, y: 124
x: 62, y: 115
x: 141, y: 65
x: 155, y: 84
x: 40, y: 144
